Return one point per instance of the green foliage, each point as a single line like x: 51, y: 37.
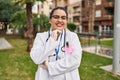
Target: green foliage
x: 41, y: 0
x: 108, y: 43
x: 42, y: 21
x: 7, y: 8
x: 18, y: 18
x: 15, y: 63
x: 71, y: 26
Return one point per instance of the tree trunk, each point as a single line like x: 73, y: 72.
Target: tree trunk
x: 29, y: 26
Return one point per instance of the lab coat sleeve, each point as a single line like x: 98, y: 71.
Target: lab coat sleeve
x: 70, y: 62
x: 41, y: 49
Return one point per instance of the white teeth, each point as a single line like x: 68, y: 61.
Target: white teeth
x: 59, y: 25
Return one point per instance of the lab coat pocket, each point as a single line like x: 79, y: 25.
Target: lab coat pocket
x: 69, y: 49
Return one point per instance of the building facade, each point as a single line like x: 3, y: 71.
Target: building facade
x: 75, y: 13
x: 41, y: 8
x: 92, y: 15
x: 89, y: 15
x: 97, y: 15
x: 47, y: 6
x: 63, y: 3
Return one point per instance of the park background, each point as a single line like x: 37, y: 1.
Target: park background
x: 15, y: 62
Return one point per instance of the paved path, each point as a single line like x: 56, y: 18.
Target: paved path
x: 92, y: 49
x: 109, y: 68
x: 97, y: 50
x: 4, y: 44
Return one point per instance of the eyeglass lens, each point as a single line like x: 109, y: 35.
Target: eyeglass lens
x: 57, y: 17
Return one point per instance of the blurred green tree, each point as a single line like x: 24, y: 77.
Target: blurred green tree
x: 71, y: 26
x: 30, y: 29
x: 42, y: 22
x: 7, y: 8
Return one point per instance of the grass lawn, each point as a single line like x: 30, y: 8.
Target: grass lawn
x: 15, y: 64
x: 107, y: 43
x: 89, y: 69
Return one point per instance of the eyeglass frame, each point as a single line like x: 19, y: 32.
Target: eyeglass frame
x: 58, y: 17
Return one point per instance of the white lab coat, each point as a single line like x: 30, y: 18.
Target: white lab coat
x: 66, y: 68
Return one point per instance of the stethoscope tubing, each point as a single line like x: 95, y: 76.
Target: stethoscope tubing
x: 63, y: 47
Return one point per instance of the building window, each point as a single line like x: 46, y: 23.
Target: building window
x: 98, y: 13
x: 76, y: 9
x: 83, y: 3
x: 76, y: 18
x: 109, y: 11
x: 98, y: 2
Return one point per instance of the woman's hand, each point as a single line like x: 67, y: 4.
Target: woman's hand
x: 44, y: 65
x: 55, y: 34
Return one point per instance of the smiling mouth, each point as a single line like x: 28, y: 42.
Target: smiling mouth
x: 59, y: 24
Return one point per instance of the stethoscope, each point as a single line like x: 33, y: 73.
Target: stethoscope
x: 63, y: 47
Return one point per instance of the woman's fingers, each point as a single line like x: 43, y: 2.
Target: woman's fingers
x: 55, y: 34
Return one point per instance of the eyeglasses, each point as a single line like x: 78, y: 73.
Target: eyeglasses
x: 57, y: 17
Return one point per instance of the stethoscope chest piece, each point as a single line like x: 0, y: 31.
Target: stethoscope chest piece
x: 63, y: 48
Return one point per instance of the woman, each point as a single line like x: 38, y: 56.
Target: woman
x: 57, y: 52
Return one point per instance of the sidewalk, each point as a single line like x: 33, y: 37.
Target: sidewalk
x: 109, y: 68
x: 4, y: 44
x: 95, y: 50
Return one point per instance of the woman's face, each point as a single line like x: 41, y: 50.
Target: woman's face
x: 58, y: 20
